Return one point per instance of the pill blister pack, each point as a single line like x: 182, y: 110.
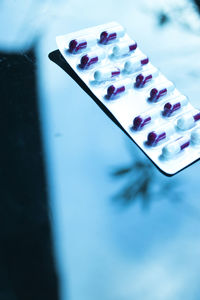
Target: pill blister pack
x: 153, y: 113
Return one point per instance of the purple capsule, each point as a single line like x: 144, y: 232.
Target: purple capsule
x: 87, y: 61
x: 139, y: 122
x: 174, y: 105
x: 75, y: 46
x: 111, y: 34
x: 118, y: 88
x: 144, y: 119
x: 169, y: 108
x: 79, y: 44
x: 145, y: 77
x: 113, y: 91
x: 155, y: 94
x: 154, y: 137
x: 91, y: 58
x: 106, y: 37
x: 142, y: 80
x: 160, y: 91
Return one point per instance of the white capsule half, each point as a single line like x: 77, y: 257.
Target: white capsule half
x: 173, y: 148
x: 132, y: 66
x: 107, y: 73
x: 124, y: 48
x: 135, y: 64
x: 186, y: 122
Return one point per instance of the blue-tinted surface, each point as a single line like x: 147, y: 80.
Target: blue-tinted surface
x: 106, y: 250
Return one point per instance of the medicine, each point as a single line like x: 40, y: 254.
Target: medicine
x: 91, y: 58
x: 144, y: 78
x: 111, y: 34
x: 175, y: 147
x: 135, y: 64
x: 155, y: 137
x: 174, y: 105
x: 106, y: 73
x: 144, y: 119
x: 188, y: 121
x: 118, y: 88
x: 120, y: 78
x: 160, y: 91
x: 77, y: 45
x: 195, y: 136
x: 124, y: 49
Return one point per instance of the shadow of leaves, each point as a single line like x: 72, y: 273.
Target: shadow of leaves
x: 144, y: 183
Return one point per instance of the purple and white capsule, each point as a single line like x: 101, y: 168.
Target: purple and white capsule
x: 144, y: 119
x: 81, y: 43
x: 124, y: 48
x: 118, y: 88
x: 111, y: 34
x: 155, y: 137
x: 159, y: 91
x: 106, y: 73
x: 175, y: 147
x: 173, y: 105
x: 144, y: 78
x: 91, y: 58
x: 136, y: 63
x: 188, y: 121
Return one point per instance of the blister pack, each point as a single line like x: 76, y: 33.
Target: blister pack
x: 149, y: 108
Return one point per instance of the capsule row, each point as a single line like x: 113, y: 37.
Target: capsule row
x: 91, y: 59
x: 106, y: 37
x: 107, y: 73
x: 120, y: 87
x: 189, y: 120
x: 141, y: 80
x: 156, y: 136
x: 168, y: 110
x: 185, y: 122
x: 99, y: 54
